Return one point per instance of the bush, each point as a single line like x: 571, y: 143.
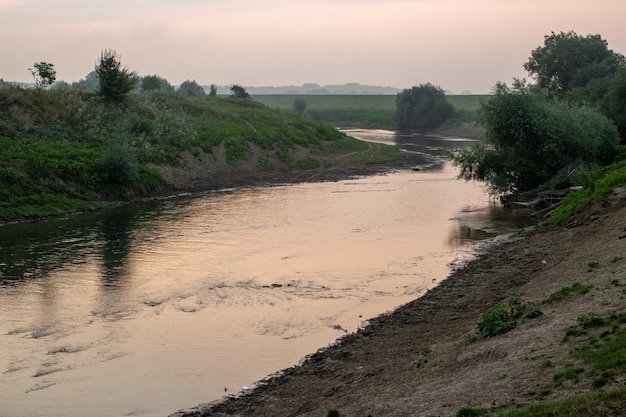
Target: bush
x: 238, y: 91
x: 495, y: 322
x: 504, y: 318
x: 191, y: 88
x: 118, y: 165
x: 424, y: 106
x: 530, y: 138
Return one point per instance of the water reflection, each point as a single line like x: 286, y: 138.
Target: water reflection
x: 157, y: 306
x: 33, y: 250
x: 433, y: 149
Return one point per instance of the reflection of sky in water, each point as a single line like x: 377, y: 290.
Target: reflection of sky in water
x: 160, y: 305
x: 433, y: 148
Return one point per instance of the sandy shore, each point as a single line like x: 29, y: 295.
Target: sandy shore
x: 417, y: 361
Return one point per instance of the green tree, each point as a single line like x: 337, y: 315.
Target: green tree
x: 61, y: 85
x: 213, y: 90
x: 43, y: 74
x: 155, y: 83
x: 567, y: 60
x: 609, y: 95
x: 238, y: 91
x: 191, y: 89
x: 89, y: 83
x: 116, y: 81
x: 424, y: 106
x: 530, y: 138
x: 299, y: 106
x: 614, y: 103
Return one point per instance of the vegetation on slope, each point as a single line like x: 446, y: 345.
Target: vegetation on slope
x: 69, y: 150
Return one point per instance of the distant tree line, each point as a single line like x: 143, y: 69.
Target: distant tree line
x: 112, y: 81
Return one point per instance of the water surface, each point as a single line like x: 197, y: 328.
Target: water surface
x: 158, y: 306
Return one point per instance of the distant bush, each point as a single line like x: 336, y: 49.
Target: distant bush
x: 238, y: 91
x: 154, y: 82
x: 299, y: 106
x: 191, y: 88
x: 424, y: 106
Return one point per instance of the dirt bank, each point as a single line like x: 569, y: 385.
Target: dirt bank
x: 202, y: 172
x: 417, y: 361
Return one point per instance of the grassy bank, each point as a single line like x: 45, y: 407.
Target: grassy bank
x: 65, y: 151
x: 364, y: 111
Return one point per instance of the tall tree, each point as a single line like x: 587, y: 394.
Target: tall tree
x: 43, y: 74
x: 568, y: 60
x: 424, y: 106
x: 115, y: 80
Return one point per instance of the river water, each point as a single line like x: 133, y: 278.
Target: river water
x: 161, y: 305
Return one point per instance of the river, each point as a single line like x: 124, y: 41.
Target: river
x: 161, y: 305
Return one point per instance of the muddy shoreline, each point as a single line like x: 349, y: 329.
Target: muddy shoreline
x: 417, y: 361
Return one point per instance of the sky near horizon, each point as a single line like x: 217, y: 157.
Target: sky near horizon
x: 456, y: 44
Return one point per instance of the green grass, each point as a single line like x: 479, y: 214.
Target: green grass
x: 504, y: 318
x: 597, y: 404
x: 575, y: 289
x: 599, y: 185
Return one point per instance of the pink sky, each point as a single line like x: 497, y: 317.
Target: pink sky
x: 456, y: 44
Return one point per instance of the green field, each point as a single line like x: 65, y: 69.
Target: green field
x: 361, y: 111
x: 379, y: 102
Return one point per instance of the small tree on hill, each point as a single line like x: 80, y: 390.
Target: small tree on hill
x: 116, y: 81
x: 191, y: 89
x: 424, y: 106
x: 155, y: 83
x: 43, y: 74
x: 238, y: 91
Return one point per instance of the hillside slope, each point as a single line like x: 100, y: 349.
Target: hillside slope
x: 67, y: 151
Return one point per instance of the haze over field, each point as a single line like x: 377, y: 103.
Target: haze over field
x: 456, y: 44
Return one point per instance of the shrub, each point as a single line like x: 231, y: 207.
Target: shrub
x: 118, y: 165
x: 238, y: 91
x: 191, y: 89
x: 424, y: 106
x: 503, y: 318
x: 529, y: 139
x: 495, y: 322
